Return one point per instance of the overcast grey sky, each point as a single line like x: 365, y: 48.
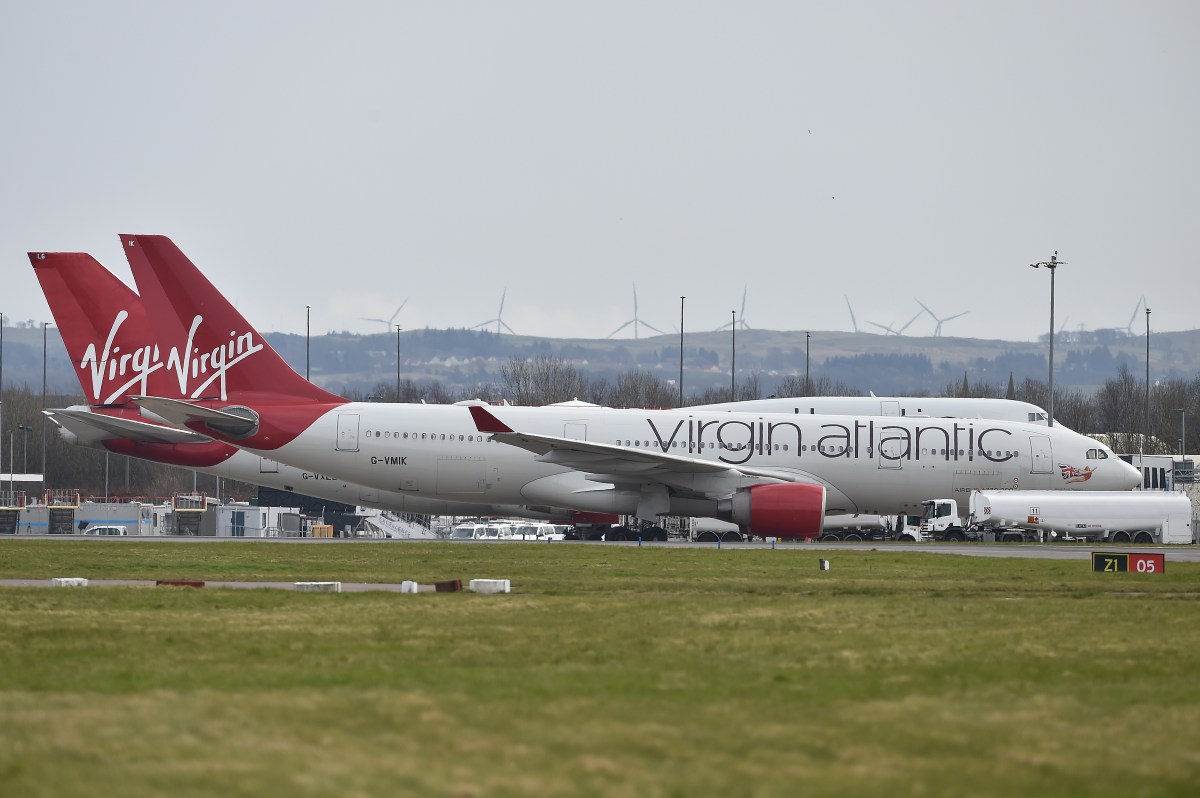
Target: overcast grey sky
x: 352, y: 155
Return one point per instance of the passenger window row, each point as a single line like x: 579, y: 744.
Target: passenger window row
x: 431, y: 436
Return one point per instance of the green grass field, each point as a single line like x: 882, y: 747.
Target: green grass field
x: 609, y: 671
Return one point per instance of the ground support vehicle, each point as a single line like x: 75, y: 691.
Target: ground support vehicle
x: 1141, y: 517
x: 861, y: 527
x: 107, y: 530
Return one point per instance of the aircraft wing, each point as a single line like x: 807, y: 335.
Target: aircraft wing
x: 182, y: 414
x: 99, y: 426
x: 620, y: 465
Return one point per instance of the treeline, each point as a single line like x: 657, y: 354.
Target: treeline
x: 1118, y: 409
x: 29, y: 439
x: 459, y: 359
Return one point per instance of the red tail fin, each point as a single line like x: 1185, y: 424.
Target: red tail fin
x: 104, y: 327
x: 209, y: 349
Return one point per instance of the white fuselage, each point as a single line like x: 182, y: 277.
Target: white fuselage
x: 248, y: 467
x: 914, y: 406
x: 245, y: 466
x: 868, y: 464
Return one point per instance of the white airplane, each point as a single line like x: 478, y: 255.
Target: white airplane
x: 913, y: 406
x: 772, y: 474
x: 108, y: 337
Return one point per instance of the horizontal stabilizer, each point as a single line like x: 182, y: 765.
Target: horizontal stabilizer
x: 185, y: 414
x: 128, y: 428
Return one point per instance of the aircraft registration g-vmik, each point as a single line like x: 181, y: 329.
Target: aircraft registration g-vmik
x: 773, y: 474
x: 110, y: 342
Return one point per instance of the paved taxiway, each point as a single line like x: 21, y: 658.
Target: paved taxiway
x: 1187, y: 553
x: 347, y: 587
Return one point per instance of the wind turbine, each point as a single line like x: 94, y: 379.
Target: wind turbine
x: 741, y: 319
x: 387, y: 323
x: 853, y: 320
x: 888, y: 328
x: 937, y: 331
x: 1141, y: 303
x: 635, y: 321
x: 499, y: 320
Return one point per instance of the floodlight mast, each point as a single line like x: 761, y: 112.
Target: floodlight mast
x: 1052, y: 265
x: 1146, y: 412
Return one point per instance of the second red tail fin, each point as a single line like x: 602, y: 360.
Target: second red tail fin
x: 209, y: 349
x: 103, y: 326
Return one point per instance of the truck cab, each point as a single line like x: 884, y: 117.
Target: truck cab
x: 940, y: 521
x: 908, y: 528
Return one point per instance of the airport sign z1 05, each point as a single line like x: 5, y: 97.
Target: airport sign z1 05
x: 1113, y: 563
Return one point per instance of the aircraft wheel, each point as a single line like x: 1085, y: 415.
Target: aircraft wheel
x: 654, y: 533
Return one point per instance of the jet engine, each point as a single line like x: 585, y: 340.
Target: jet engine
x: 792, y: 510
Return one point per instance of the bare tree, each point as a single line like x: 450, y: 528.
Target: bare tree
x: 747, y: 390
x: 543, y: 380
x: 1119, y: 411
x: 791, y: 386
x: 963, y: 389
x: 641, y: 389
x: 1167, y: 399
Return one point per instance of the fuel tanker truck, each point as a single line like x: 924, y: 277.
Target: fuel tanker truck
x: 1047, y: 515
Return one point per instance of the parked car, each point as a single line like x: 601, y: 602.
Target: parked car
x: 106, y: 530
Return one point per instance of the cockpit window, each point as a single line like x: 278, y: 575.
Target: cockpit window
x: 1097, y: 454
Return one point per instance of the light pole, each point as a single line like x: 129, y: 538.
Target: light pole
x: 2, y: 398
x: 45, y: 325
x: 397, y: 362
x: 1146, y: 410
x: 681, y: 299
x: 25, y: 430
x: 807, y: 384
x: 307, y: 341
x: 733, y: 358
x: 1182, y: 432
x: 1052, y: 265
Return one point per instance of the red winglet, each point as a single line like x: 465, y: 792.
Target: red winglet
x: 486, y: 422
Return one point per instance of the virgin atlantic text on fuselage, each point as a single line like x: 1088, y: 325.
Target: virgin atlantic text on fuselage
x: 852, y: 440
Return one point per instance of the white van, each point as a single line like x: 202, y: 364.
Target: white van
x: 106, y: 530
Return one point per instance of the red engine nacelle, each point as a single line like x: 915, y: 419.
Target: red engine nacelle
x: 581, y: 517
x: 793, y: 510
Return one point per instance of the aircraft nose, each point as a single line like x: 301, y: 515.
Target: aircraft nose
x: 1128, y: 476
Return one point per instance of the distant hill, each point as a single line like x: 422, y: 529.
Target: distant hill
x: 461, y: 359
x: 883, y: 364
